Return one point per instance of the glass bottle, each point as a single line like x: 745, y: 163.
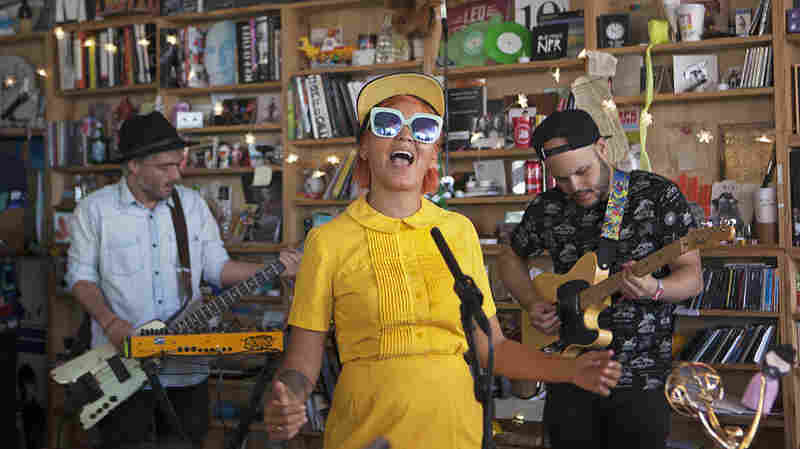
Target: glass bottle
x: 384, y: 47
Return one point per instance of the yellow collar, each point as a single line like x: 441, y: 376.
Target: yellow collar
x: 428, y: 215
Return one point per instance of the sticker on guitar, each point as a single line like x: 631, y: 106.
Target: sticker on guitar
x: 585, y: 291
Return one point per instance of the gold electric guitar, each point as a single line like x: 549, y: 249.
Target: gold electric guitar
x: 585, y: 291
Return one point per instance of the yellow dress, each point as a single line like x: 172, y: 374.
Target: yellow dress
x: 386, y: 287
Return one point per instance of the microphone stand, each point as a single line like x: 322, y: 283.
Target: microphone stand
x: 471, y: 313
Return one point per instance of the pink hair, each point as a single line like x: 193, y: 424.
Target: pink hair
x: 362, y: 174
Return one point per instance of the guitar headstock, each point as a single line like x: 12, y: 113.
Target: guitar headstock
x: 709, y: 237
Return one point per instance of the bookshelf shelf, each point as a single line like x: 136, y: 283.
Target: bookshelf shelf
x: 254, y: 248
x: 20, y: 132
x: 793, y: 38
x: 516, y: 153
x: 263, y: 127
x: 509, y: 69
x: 115, y: 22
x: 323, y: 142
x: 222, y: 171
x: 328, y: 4
x: 688, y: 47
x: 508, y: 199
x: 23, y: 37
x: 142, y: 88
x: 220, y: 14
x: 795, y: 253
x: 728, y: 313
x: 250, y: 87
x: 87, y: 169
x: 794, y: 140
x: 405, y: 65
x: 697, y: 96
x: 752, y: 251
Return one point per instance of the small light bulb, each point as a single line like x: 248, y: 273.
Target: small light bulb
x: 89, y: 43
x: 59, y: 32
x: 143, y: 42
x: 333, y: 159
x: 292, y: 158
x: 249, y: 138
x: 318, y: 174
x: 172, y: 39
x: 218, y: 108
x: 41, y: 72
x: 763, y: 139
x: 10, y: 81
x: 111, y: 48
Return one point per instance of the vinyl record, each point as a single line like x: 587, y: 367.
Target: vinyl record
x: 507, y: 41
x: 466, y: 47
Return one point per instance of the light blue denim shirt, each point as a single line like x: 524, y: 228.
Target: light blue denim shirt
x: 130, y: 252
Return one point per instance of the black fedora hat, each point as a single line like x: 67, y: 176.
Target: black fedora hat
x: 143, y: 135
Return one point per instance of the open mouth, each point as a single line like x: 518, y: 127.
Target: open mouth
x: 401, y: 157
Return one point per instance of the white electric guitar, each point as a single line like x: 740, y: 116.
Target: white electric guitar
x: 101, y: 379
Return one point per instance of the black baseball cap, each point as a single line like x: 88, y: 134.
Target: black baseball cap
x: 575, y: 125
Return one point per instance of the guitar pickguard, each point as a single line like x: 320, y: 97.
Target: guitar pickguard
x: 99, y: 380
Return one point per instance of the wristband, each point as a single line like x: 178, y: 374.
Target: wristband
x: 659, y: 290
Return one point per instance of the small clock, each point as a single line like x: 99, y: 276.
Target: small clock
x: 19, y: 94
x: 613, y: 30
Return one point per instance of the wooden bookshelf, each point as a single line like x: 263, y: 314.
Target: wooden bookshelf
x: 303, y: 202
x: 254, y: 248
x: 743, y: 251
x: 795, y: 253
x: 110, y: 91
x: 87, y: 169
x: 223, y: 171
x: 512, y: 153
x: 697, y: 96
x: 313, y: 143
x: 227, y: 129
x: 110, y: 22
x: 504, y: 199
x: 20, y: 132
x: 392, y: 67
x: 23, y: 37
x: 228, y: 88
x: 512, y: 69
x: 710, y: 45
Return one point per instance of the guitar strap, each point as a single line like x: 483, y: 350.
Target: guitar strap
x: 182, y: 238
x: 617, y: 200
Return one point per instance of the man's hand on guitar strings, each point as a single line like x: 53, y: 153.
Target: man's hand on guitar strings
x: 117, y: 330
x: 291, y: 259
x: 544, y: 318
x: 596, y: 372
x: 637, y: 287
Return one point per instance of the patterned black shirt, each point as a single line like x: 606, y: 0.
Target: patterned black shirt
x: 656, y: 215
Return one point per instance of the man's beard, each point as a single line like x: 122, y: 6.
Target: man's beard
x: 601, y: 188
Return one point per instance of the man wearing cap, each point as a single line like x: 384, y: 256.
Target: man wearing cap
x: 375, y: 273
x: 124, y: 270
x: 568, y: 222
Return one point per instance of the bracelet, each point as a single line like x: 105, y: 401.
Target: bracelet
x: 659, y: 290
x: 105, y: 328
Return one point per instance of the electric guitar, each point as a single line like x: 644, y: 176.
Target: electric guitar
x: 585, y: 291
x: 101, y: 379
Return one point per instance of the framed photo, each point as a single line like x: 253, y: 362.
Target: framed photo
x: 742, y: 158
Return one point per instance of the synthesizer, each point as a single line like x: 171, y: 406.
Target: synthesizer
x: 210, y: 344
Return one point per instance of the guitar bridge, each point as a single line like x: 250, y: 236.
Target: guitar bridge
x: 118, y: 368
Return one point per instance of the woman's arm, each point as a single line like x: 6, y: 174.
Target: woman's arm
x: 593, y: 371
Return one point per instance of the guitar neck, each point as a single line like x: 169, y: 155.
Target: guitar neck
x: 607, y: 287
x: 220, y: 304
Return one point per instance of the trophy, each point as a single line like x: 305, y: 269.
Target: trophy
x: 695, y: 390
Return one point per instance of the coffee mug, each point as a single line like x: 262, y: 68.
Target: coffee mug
x: 691, y: 17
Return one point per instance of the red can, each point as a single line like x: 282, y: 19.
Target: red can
x: 533, y: 177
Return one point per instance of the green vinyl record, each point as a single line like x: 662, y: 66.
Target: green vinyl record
x: 506, y: 42
x: 466, y: 46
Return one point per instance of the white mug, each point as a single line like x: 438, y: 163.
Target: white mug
x: 691, y: 17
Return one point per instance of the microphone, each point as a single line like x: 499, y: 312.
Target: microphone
x: 449, y: 259
x: 469, y: 293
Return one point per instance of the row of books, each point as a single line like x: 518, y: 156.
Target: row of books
x: 723, y: 345
x: 319, y: 402
x: 323, y: 106
x: 225, y: 53
x: 762, y: 20
x: 69, y: 146
x: 112, y: 57
x: 340, y: 184
x: 757, y: 67
x: 751, y: 287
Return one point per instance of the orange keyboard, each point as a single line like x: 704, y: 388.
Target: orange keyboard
x: 143, y: 346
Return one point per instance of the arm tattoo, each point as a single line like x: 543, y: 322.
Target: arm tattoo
x: 296, y: 381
